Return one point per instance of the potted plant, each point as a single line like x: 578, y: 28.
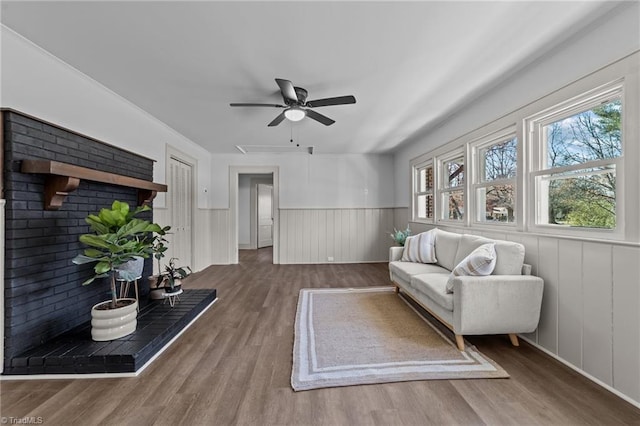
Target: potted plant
x: 158, y: 248
x: 400, y: 236
x: 118, y: 237
x: 171, y: 279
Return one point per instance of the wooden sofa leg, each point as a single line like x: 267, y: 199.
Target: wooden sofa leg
x: 460, y: 342
x: 514, y: 339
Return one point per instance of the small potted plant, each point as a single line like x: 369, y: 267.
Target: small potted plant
x: 118, y: 237
x: 159, y: 248
x: 400, y: 236
x: 173, y: 275
x: 171, y: 279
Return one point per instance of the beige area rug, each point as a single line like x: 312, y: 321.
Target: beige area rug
x: 347, y: 337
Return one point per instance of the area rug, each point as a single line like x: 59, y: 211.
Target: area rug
x: 347, y: 337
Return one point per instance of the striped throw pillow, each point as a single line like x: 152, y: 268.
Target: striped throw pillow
x: 420, y: 248
x: 481, y: 261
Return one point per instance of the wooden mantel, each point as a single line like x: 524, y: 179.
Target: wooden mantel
x: 63, y: 178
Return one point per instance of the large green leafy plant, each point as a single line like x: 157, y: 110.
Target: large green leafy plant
x: 118, y: 237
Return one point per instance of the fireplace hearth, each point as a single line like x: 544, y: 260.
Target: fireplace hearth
x: 74, y: 352
x: 46, y: 307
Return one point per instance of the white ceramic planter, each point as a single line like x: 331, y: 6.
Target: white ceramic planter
x: 134, y: 267
x: 111, y: 324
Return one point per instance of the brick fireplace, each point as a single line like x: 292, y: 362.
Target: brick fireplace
x: 44, y: 296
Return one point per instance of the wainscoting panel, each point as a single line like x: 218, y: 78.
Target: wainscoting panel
x: 569, y: 300
x: 335, y: 235
x: 597, y: 311
x: 626, y: 317
x: 590, y: 315
x: 548, y: 270
x: 219, y: 237
x: 211, y: 236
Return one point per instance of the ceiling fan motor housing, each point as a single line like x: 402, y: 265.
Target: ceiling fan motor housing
x: 301, y: 94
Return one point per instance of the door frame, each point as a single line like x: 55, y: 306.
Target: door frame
x: 176, y: 154
x: 234, y: 173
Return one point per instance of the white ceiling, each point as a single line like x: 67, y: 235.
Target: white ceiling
x: 410, y: 65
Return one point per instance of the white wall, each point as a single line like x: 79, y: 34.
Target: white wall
x: 315, y: 181
x: 591, y: 306
x: 609, y: 39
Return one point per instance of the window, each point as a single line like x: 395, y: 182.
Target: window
x: 496, y: 165
x: 579, y: 158
x: 423, y: 192
x: 452, y: 193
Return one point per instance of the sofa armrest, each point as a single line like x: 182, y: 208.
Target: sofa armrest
x: 395, y: 253
x: 496, y: 304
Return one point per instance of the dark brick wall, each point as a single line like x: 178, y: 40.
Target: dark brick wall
x: 44, y: 295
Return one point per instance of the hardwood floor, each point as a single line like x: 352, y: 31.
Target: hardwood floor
x: 233, y: 366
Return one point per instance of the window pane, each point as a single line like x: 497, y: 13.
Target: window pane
x: 587, y: 136
x: 583, y: 198
x: 454, y: 173
x: 425, y: 179
x: 425, y: 206
x: 497, y: 203
x: 455, y: 202
x: 499, y: 161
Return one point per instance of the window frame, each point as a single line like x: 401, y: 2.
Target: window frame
x: 442, y: 188
x: 416, y: 193
x: 537, y: 199
x: 477, y: 182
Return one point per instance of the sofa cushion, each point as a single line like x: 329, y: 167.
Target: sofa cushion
x: 420, y: 248
x: 480, y: 261
x: 434, y: 286
x: 446, y: 248
x: 509, y: 254
x: 509, y: 258
x: 405, y: 270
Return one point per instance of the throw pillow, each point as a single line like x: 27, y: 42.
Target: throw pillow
x: 420, y: 248
x: 481, y: 261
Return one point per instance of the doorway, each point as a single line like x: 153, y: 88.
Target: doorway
x: 246, y: 224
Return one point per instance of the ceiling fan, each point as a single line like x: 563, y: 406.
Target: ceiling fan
x: 296, y: 107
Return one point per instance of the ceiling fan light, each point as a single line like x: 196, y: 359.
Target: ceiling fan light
x: 295, y: 114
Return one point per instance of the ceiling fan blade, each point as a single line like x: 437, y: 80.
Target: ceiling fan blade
x: 339, y: 100
x: 319, y: 117
x: 256, y: 105
x: 286, y: 87
x: 277, y: 120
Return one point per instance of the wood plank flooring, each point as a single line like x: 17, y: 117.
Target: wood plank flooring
x: 233, y: 366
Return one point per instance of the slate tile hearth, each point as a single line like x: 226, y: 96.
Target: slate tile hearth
x: 75, y: 353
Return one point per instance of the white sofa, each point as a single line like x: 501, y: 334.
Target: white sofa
x: 506, y: 302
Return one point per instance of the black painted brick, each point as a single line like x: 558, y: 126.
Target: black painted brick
x: 44, y: 295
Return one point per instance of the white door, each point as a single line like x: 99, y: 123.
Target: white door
x: 265, y: 215
x: 180, y: 197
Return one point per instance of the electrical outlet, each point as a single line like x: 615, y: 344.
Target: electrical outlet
x: 330, y: 259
